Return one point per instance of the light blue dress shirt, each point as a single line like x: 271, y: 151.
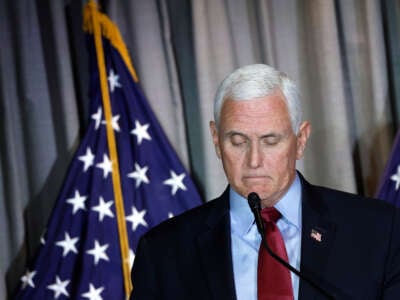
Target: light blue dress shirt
x: 246, y: 239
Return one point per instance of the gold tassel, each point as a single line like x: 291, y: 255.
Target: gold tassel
x: 109, y: 30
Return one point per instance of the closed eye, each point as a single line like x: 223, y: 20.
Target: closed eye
x: 237, y: 139
x: 271, y: 140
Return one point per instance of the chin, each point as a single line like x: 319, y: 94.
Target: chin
x: 262, y: 194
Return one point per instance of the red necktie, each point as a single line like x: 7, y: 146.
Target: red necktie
x: 273, y: 279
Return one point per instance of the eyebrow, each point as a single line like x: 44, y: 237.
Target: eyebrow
x: 267, y: 135
x: 274, y: 135
x: 233, y: 132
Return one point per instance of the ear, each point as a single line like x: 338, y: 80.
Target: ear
x: 302, y: 138
x: 214, y: 134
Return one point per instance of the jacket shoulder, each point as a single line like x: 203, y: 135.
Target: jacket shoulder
x: 191, y: 221
x: 343, y: 203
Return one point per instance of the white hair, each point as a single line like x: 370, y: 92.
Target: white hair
x: 258, y: 80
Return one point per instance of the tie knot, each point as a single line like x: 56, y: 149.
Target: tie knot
x: 270, y: 214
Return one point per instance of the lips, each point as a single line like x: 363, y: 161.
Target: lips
x: 255, y: 178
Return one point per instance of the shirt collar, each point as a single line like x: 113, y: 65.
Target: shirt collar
x: 241, y: 216
x: 289, y: 206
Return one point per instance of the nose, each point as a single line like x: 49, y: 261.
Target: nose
x: 254, y: 156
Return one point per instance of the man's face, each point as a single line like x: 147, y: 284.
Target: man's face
x: 258, y: 147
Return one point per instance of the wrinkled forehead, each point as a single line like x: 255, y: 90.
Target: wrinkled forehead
x: 268, y: 111
x: 275, y: 99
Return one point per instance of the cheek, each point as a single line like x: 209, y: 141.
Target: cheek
x: 232, y: 161
x: 279, y: 160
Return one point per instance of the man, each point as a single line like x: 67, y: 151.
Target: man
x: 348, y: 246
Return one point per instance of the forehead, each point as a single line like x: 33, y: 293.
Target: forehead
x: 268, y: 112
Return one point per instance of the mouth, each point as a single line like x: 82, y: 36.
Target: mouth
x: 255, y: 178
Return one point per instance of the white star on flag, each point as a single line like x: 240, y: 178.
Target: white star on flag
x: 176, y: 182
x: 131, y: 258
x: 98, y: 252
x: 103, y: 209
x: 97, y: 117
x: 78, y: 202
x: 87, y: 159
x: 137, y: 218
x: 106, y: 165
x: 93, y: 293
x: 114, y: 123
x: 27, y: 279
x: 68, y: 244
x: 113, y: 80
x: 141, y: 132
x: 42, y: 240
x: 396, y: 178
x: 59, y: 287
x: 139, y: 175
x: 170, y: 215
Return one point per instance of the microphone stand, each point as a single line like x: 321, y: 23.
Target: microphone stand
x: 255, y: 206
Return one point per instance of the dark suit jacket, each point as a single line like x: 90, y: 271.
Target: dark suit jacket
x: 358, y: 257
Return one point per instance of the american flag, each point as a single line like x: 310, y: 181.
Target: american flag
x: 316, y: 235
x: 389, y: 188
x: 79, y: 256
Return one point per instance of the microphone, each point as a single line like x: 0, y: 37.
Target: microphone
x: 255, y: 206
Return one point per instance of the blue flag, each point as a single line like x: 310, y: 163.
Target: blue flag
x: 389, y: 188
x: 80, y: 256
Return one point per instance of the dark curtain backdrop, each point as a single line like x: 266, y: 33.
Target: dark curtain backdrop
x: 344, y: 55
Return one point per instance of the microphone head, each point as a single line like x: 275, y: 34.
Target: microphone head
x: 254, y: 201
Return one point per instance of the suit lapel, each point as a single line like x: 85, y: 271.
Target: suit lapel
x: 214, y: 246
x: 317, y: 235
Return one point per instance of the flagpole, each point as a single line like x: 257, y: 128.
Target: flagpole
x: 95, y: 18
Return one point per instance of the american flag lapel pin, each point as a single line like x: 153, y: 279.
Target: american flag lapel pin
x: 316, y: 235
